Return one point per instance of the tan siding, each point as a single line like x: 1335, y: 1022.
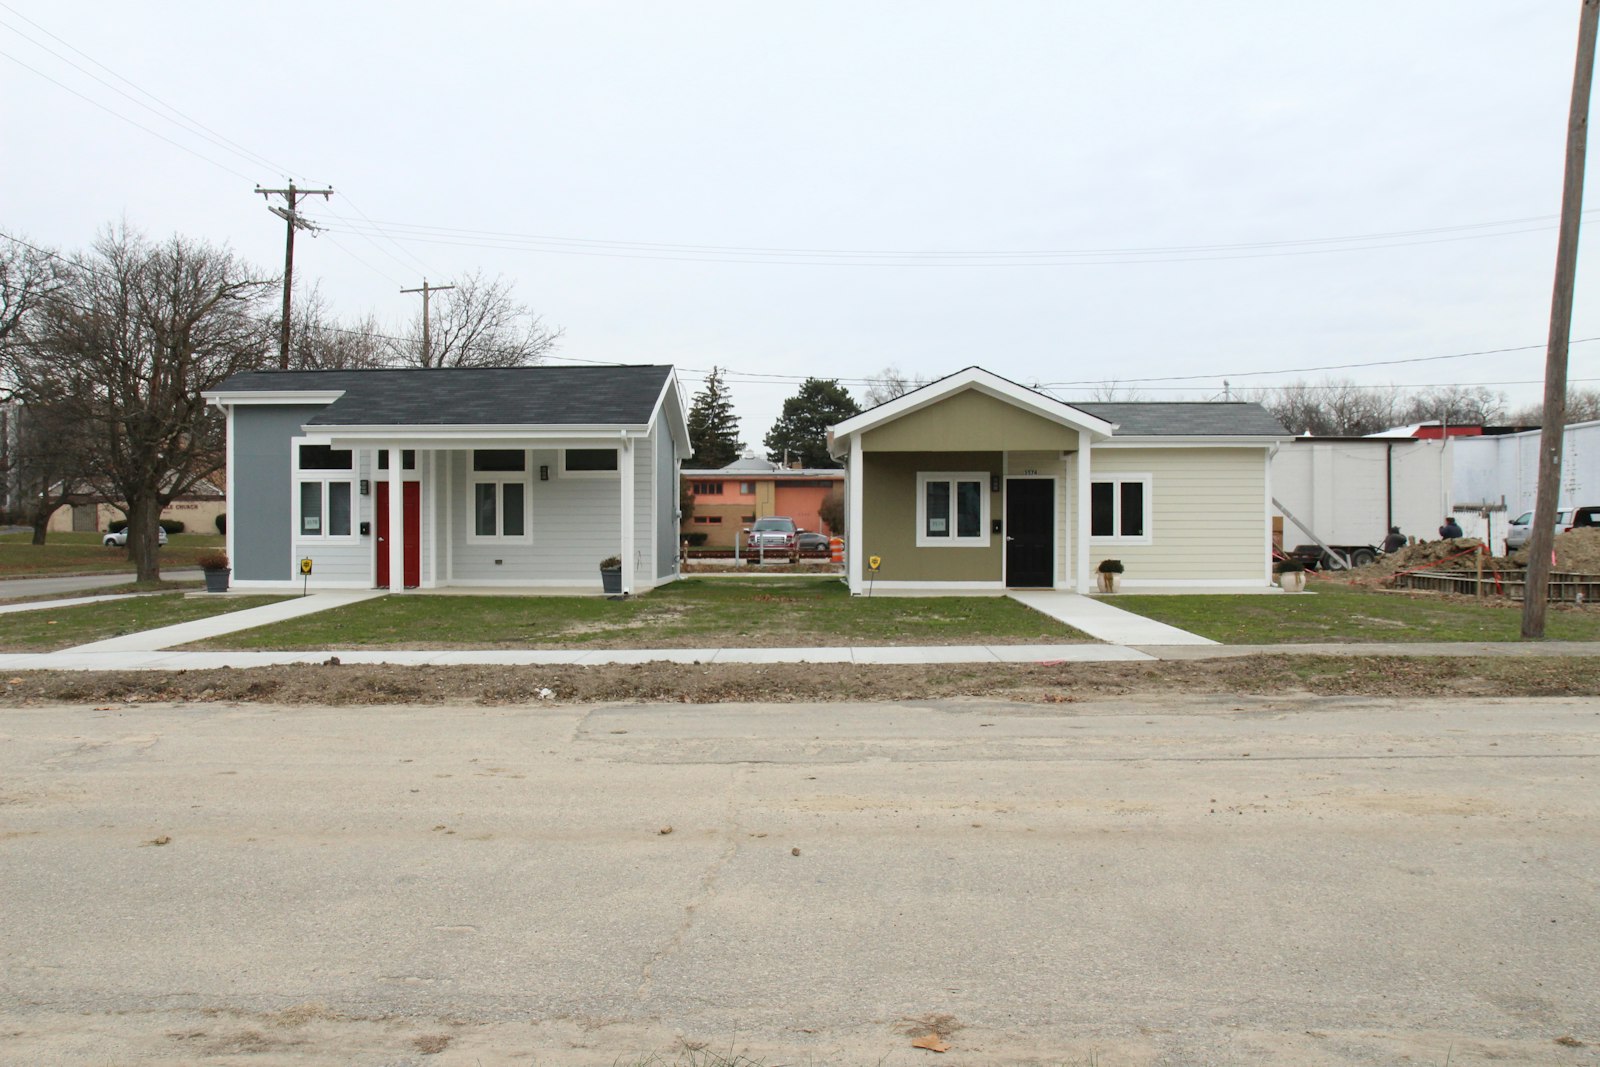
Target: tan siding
x: 1208, y: 513
x: 972, y: 421
x: 889, y: 529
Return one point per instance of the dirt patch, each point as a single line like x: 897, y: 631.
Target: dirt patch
x: 1366, y: 675
x: 1577, y: 552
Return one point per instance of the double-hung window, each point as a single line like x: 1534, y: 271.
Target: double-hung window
x: 325, y: 490
x: 953, y: 510
x: 1119, y: 508
x: 499, y: 494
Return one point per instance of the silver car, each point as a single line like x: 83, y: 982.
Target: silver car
x: 120, y: 538
x: 1521, y: 528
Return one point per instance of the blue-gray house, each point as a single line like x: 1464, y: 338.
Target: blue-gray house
x: 453, y: 477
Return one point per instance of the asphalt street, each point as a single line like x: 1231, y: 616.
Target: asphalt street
x: 1197, y: 881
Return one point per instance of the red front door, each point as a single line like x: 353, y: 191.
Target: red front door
x: 411, y: 509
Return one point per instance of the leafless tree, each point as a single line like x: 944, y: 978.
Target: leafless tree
x: 1476, y: 405
x: 1333, y: 408
x: 1112, y: 391
x: 44, y: 463
x: 479, y: 323
x: 320, y: 341
x: 28, y: 276
x: 123, y: 351
x: 889, y: 383
x: 1583, y: 405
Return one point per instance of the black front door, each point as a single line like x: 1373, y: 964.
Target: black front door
x: 1030, y: 532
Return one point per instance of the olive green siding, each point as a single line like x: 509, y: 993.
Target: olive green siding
x: 1207, y: 512
x: 978, y: 420
x: 889, y: 526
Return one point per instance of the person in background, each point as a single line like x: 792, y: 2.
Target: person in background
x: 1395, y: 541
x: 1450, y: 529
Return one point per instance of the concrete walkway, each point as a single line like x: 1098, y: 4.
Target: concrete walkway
x: 1101, y: 620
x: 65, y: 602
x: 217, y: 625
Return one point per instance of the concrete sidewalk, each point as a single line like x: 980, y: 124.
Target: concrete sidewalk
x: 1104, y: 621
x: 15, y: 588
x: 217, y: 625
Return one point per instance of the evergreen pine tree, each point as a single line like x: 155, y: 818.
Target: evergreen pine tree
x: 801, y: 432
x: 713, y: 427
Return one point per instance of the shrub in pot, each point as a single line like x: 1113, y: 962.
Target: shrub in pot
x: 216, y: 568
x: 1109, y: 575
x: 611, y: 575
x: 1291, y: 575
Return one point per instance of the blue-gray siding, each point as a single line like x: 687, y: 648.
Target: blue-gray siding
x: 261, y: 505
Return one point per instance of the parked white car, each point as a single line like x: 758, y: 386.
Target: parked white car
x: 1521, y: 528
x: 120, y: 538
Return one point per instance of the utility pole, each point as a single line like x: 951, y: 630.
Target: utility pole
x: 427, y: 338
x: 1541, y: 545
x: 290, y: 216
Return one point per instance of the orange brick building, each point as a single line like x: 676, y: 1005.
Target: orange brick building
x: 730, y: 498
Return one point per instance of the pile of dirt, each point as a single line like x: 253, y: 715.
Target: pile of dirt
x: 1450, y: 554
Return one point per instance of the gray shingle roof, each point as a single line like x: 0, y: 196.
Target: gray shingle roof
x: 458, y: 396
x: 1181, y: 418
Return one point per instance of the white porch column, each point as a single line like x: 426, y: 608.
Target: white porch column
x: 625, y: 470
x: 397, y: 520
x: 853, y: 517
x: 1080, y: 529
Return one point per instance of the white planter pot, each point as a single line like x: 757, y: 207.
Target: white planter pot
x: 1292, y: 581
x: 1109, y: 583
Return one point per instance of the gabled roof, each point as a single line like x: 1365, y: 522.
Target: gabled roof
x: 1186, y: 418
x: 983, y: 381
x: 462, y: 396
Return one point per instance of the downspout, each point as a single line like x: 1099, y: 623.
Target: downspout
x: 1388, y: 491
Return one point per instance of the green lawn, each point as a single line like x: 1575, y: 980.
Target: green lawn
x: 82, y: 553
x: 693, y: 613
x: 1331, y: 612
x: 46, y: 629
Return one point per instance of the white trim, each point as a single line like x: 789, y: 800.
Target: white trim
x: 938, y: 587
x: 500, y: 479
x: 1083, y: 480
x: 1116, y: 479
x: 419, y: 436
x: 1194, y: 583
x: 396, y: 518
x: 563, y: 472
x: 983, y: 539
x: 450, y: 517
x: 227, y: 489
x: 984, y: 382
x: 1172, y: 441
x: 429, y: 494
x: 625, y: 477
x: 308, y: 397
x: 273, y: 585
x: 1266, y: 554
x: 682, y: 424
x: 854, y: 517
x: 654, y: 521
x: 326, y: 477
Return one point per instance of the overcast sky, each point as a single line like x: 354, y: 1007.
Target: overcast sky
x: 1061, y: 192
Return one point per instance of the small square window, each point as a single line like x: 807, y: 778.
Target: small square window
x: 589, y: 459
x: 408, y: 459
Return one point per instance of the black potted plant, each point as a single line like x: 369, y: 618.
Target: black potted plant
x: 1110, y: 575
x: 1291, y: 575
x: 216, y: 568
x: 611, y: 575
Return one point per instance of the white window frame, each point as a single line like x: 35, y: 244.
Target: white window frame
x: 983, y: 539
x: 325, y: 477
x: 500, y: 479
x: 616, y: 473
x: 1117, y: 481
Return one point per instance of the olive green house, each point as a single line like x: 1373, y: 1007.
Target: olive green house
x: 975, y: 483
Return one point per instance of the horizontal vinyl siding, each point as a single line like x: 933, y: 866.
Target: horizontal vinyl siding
x: 575, y: 523
x: 1208, y: 514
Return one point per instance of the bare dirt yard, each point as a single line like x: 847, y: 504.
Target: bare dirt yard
x: 1458, y: 676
